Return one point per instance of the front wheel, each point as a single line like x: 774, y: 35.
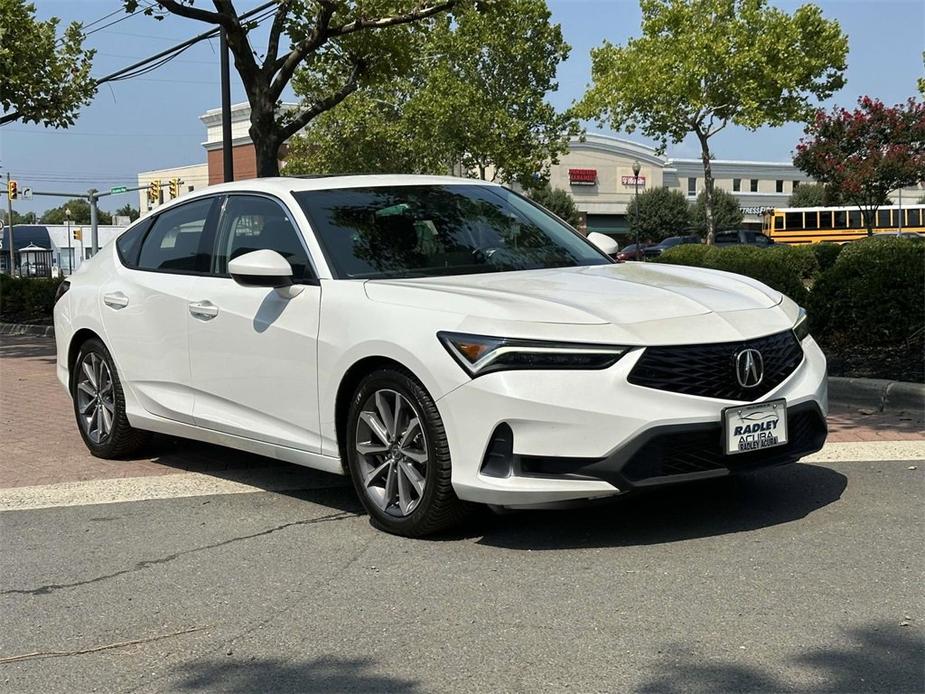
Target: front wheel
x: 399, y: 458
x: 99, y: 404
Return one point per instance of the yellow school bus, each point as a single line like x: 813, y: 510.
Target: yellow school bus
x: 837, y: 224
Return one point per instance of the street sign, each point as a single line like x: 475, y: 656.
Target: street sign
x: 118, y: 189
x: 26, y: 193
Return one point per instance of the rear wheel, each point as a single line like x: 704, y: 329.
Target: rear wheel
x: 99, y: 404
x: 399, y: 458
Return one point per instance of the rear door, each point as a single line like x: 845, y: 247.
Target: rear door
x: 145, y: 305
x: 253, y: 353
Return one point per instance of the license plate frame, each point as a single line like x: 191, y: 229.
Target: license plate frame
x: 761, y: 425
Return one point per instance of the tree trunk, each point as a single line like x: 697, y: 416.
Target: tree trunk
x: 869, y: 214
x: 707, y: 186
x: 264, y: 133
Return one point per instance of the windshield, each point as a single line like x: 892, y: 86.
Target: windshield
x: 424, y: 231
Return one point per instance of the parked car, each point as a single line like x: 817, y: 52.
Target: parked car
x: 630, y: 253
x: 742, y: 237
x: 670, y: 242
x: 441, y: 341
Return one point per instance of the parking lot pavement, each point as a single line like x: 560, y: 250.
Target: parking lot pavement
x: 41, y: 446
x: 803, y: 578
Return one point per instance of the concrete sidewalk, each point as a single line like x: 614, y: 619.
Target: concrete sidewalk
x: 40, y: 444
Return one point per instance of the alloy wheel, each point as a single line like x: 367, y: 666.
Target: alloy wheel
x: 95, y: 397
x: 392, y: 451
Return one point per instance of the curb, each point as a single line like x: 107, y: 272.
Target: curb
x: 877, y: 394
x: 26, y: 329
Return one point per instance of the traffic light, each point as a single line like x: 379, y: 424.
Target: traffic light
x: 174, y: 188
x: 11, y: 189
x: 154, y: 192
x: 78, y: 234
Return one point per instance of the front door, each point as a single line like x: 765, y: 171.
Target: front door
x: 144, y: 305
x: 252, y: 351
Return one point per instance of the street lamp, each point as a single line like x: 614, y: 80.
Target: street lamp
x: 636, y: 168
x: 70, y: 251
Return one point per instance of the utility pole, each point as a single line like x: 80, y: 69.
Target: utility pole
x: 94, y: 231
x: 227, y: 159
x: 9, y: 219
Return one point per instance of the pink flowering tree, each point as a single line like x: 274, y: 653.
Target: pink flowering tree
x: 865, y: 154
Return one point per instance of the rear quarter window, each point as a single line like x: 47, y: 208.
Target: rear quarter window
x: 128, y: 245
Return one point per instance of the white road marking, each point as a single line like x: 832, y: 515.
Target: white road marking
x: 192, y: 484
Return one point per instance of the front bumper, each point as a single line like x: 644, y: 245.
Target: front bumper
x: 590, y: 434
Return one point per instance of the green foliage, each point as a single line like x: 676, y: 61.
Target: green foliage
x: 662, y: 213
x: 45, y: 78
x: 873, y: 293
x: 80, y: 213
x: 814, y: 195
x: 18, y: 218
x: 27, y: 299
x: 472, y: 93
x: 781, y: 268
x: 726, y: 212
x: 866, y: 153
x: 557, y: 201
x: 703, y: 64
x: 826, y: 254
x: 127, y: 211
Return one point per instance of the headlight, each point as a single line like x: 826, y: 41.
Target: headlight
x: 479, y: 354
x: 801, y: 327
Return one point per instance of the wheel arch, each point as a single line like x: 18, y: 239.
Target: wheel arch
x: 348, y: 385
x: 77, y: 341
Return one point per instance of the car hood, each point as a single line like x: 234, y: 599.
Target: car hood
x: 602, y: 294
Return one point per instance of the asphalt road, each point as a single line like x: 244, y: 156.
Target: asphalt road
x: 804, y: 578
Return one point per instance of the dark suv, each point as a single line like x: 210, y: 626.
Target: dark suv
x: 670, y: 242
x: 742, y: 237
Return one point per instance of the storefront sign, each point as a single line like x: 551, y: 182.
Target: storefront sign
x: 582, y: 177
x: 754, y: 210
x: 633, y: 180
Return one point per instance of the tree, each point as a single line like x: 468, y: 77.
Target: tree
x: 18, y: 218
x: 45, y: 78
x: 127, y: 211
x: 726, y: 213
x: 557, y: 201
x: 921, y: 81
x: 662, y: 212
x: 703, y: 64
x: 341, y: 41
x: 80, y: 213
x: 813, y: 195
x: 473, y: 96
x: 866, y: 153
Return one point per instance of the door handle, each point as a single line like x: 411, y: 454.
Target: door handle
x: 203, y: 310
x: 115, y: 300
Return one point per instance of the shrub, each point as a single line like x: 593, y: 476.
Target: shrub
x: 825, y: 253
x: 872, y: 294
x: 662, y: 213
x: 782, y: 268
x: 726, y: 211
x: 27, y: 299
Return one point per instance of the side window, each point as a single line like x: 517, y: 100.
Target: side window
x: 175, y: 242
x: 254, y: 223
x: 129, y: 243
x: 762, y: 240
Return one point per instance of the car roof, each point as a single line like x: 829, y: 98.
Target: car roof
x: 285, y: 184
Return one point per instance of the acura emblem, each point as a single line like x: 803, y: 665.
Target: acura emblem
x: 749, y: 368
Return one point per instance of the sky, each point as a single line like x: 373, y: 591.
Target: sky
x: 153, y: 122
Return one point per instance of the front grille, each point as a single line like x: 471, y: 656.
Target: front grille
x: 709, y: 370
x: 689, y: 452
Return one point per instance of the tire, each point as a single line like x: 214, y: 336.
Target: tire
x: 93, y: 409
x: 414, y: 512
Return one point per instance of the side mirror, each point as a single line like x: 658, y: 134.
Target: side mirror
x: 264, y: 268
x: 604, y: 242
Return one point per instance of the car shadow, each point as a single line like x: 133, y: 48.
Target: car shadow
x: 716, y: 507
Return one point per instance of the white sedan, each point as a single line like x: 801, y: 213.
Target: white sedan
x: 441, y: 341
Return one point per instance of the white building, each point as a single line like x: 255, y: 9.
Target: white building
x: 42, y: 247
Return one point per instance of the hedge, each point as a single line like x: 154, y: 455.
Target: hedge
x: 784, y: 268
x: 27, y: 299
x: 866, y: 300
